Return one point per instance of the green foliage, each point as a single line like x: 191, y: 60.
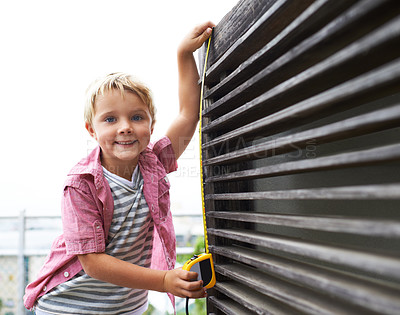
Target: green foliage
x: 149, y: 310
x: 198, y: 249
x: 200, y: 307
x: 196, y: 308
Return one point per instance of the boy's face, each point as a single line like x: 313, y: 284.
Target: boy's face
x: 122, y: 126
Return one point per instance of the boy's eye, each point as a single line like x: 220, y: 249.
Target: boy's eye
x: 109, y: 119
x: 136, y: 117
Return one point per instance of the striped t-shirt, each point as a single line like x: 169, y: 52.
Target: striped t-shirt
x: 130, y: 239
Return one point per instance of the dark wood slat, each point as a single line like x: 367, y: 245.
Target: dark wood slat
x: 300, y: 298
x: 235, y: 23
x: 310, y: 21
x: 228, y: 306
x: 376, y: 296
x: 352, y: 55
x: 251, y: 299
x: 359, y: 226
x: 281, y: 74
x: 315, y: 73
x: 367, y: 123
x: 372, y: 263
x: 366, y: 192
x: 344, y: 160
x: 311, y: 49
x: 267, y: 26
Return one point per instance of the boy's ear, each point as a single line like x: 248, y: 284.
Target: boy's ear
x: 91, y: 131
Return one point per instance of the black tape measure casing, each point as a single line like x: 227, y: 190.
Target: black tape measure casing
x: 203, y: 265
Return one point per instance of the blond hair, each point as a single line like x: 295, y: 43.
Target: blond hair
x: 121, y: 82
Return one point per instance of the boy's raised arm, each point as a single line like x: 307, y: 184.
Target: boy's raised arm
x: 183, y: 127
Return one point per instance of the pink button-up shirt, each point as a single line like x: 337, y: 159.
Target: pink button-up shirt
x: 87, y: 210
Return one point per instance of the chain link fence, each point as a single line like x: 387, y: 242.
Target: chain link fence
x: 24, y: 244
x: 9, y: 285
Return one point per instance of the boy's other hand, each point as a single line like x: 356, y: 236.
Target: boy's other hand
x: 196, y: 38
x: 181, y: 283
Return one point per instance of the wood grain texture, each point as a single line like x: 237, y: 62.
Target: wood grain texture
x: 292, y: 233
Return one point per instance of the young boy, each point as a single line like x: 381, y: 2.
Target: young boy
x: 115, y: 208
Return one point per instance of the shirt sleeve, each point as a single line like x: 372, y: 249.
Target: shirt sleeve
x: 165, y: 153
x: 82, y: 222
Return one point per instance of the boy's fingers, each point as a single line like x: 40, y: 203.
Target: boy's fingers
x: 193, y: 275
x: 208, y: 25
x: 204, y: 30
x: 200, y: 28
x: 201, y: 293
x: 202, y: 37
x: 207, y: 32
x: 195, y: 285
x: 190, y: 275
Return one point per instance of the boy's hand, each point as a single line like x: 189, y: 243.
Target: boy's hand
x: 196, y: 38
x: 180, y: 283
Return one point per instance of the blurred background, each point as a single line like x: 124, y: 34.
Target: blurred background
x: 51, y: 51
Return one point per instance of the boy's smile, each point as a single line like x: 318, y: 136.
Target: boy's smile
x: 122, y: 126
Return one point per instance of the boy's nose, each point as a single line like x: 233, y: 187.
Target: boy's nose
x: 125, y: 128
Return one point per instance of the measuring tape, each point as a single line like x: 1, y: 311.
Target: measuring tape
x: 200, y: 144
x: 203, y: 263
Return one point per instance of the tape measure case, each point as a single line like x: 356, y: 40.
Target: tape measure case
x: 203, y: 265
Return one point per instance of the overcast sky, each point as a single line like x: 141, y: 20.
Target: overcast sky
x: 50, y: 52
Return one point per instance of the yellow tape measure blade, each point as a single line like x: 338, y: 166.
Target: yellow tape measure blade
x: 203, y: 208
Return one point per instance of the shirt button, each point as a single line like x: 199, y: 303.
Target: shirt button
x: 45, y: 288
x: 66, y: 274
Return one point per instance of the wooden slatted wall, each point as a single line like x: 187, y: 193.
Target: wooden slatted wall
x: 301, y: 148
